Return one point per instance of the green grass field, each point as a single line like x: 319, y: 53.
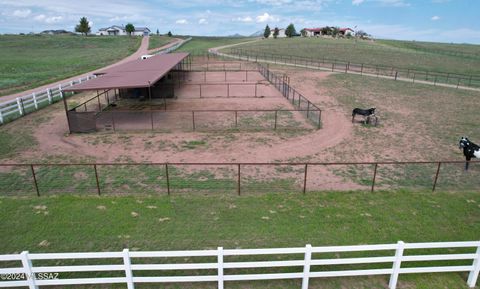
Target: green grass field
x: 30, y: 61
x: 435, y: 57
x: 157, y: 41
x: 81, y: 223
x: 202, y: 44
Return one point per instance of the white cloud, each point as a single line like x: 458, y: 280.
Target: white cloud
x: 357, y: 2
x: 182, y: 21
x: 48, y: 20
x: 435, y: 18
x: 394, y: 3
x: 202, y: 21
x: 40, y: 17
x: 266, y: 18
x: 245, y: 19
x: 22, y: 13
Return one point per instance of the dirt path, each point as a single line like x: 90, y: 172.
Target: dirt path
x: 143, y: 49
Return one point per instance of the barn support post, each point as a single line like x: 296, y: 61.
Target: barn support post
x: 374, y: 177
x: 96, y: 178
x: 66, y: 110
x: 35, y: 183
x: 436, y: 176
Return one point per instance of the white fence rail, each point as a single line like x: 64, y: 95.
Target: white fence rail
x: 20, y: 106
x: 304, y: 263
x: 174, y: 47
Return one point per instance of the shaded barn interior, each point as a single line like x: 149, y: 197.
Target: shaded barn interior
x: 141, y: 79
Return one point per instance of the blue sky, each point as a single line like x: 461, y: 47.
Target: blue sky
x: 429, y: 20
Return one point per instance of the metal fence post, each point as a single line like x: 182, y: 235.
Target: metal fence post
x: 305, y: 179
x: 374, y: 177
x: 168, y: 179
x: 96, y: 178
x: 220, y: 267
x: 128, y: 269
x: 306, y: 266
x: 275, y: 124
x: 193, y: 120
x: 35, y: 180
x: 238, y: 179
x: 436, y: 176
x: 27, y: 267
x: 473, y: 276
x: 396, y: 265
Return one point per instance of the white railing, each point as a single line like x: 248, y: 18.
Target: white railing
x: 20, y: 106
x: 174, y: 47
x: 299, y: 266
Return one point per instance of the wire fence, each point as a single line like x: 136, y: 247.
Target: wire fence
x: 203, y: 120
x: 452, y: 79
x: 233, y: 178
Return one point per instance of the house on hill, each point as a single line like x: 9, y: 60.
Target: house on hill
x: 345, y: 31
x: 311, y: 32
x: 120, y: 30
x: 281, y: 33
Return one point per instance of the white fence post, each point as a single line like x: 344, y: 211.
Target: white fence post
x: 61, y: 93
x: 220, y: 267
x: 19, y: 105
x: 128, y: 269
x: 396, y: 265
x: 27, y: 266
x: 71, y: 83
x: 34, y: 100
x: 1, y: 116
x: 80, y: 80
x: 473, y: 276
x: 49, y: 95
x: 306, y: 267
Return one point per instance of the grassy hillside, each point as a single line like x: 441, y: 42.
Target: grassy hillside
x: 158, y: 41
x: 439, y: 57
x: 202, y: 44
x: 82, y: 223
x: 33, y: 60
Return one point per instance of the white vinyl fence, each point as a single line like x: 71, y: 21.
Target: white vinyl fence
x: 15, y: 108
x: 174, y: 47
x: 303, y: 263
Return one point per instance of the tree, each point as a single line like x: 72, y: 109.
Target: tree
x: 303, y: 32
x: 83, y: 27
x: 335, y: 31
x: 129, y: 28
x: 290, y: 31
x: 158, y: 32
x: 361, y: 34
x: 169, y: 34
x: 267, y: 32
x: 276, y: 32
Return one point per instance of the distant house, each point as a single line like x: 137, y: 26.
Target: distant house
x: 281, y: 33
x: 345, y: 31
x: 120, y: 30
x: 310, y: 32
